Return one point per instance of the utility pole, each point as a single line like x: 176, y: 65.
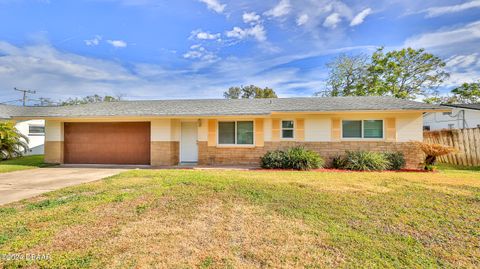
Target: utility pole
x: 25, y: 94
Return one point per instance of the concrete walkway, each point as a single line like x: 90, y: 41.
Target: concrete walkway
x: 19, y: 185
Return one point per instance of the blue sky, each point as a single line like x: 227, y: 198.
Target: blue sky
x: 152, y: 49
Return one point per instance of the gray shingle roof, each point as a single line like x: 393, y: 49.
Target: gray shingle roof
x: 214, y: 107
x: 8, y: 111
x: 467, y: 106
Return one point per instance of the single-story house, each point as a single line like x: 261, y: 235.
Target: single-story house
x: 33, y: 129
x: 226, y: 131
x: 461, y: 116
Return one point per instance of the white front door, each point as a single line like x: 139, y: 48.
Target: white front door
x: 188, y: 142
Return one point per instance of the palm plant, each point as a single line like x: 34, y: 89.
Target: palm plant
x: 12, y: 142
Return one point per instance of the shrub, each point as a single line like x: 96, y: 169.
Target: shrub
x: 300, y: 158
x: 338, y: 162
x: 273, y: 160
x: 12, y: 143
x: 432, y: 151
x: 297, y: 158
x: 396, y: 160
x: 364, y: 161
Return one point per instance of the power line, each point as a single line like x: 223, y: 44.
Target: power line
x: 24, y: 99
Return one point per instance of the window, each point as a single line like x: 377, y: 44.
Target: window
x: 287, y: 128
x: 426, y: 128
x: 36, y: 130
x: 235, y: 133
x: 447, y: 113
x: 451, y: 126
x: 362, y: 129
x: 373, y: 129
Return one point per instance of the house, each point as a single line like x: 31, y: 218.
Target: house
x: 460, y: 117
x: 226, y: 131
x: 33, y: 129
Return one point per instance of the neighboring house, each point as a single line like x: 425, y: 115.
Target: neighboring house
x: 462, y: 116
x: 33, y: 129
x: 227, y: 132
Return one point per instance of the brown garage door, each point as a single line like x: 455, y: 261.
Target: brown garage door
x: 107, y: 143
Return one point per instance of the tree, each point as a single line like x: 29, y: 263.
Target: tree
x: 89, y: 99
x: 12, y: 142
x: 249, y: 92
x: 467, y: 93
x: 78, y: 101
x: 346, y: 76
x: 406, y: 74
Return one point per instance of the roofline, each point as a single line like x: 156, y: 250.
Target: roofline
x: 461, y: 106
x: 229, y: 115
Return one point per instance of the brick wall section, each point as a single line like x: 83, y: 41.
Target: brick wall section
x: 328, y: 150
x: 164, y: 153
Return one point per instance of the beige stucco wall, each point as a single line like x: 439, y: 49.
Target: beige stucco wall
x: 53, y: 130
x: 317, y: 127
x: 409, y: 127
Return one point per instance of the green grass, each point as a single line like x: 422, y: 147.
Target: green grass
x: 22, y: 163
x: 231, y: 219
x: 446, y: 166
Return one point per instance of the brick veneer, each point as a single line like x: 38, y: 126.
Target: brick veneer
x: 164, y: 153
x: 237, y: 155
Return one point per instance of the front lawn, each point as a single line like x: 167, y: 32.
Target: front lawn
x: 232, y: 219
x: 22, y: 163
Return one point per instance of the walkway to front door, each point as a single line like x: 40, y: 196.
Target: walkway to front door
x: 188, y: 143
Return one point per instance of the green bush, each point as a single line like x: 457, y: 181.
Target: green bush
x: 364, y: 161
x: 297, y: 158
x: 396, y: 160
x: 273, y: 159
x: 338, y: 162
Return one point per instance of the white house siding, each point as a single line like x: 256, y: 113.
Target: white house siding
x: 36, y: 141
x: 460, y: 118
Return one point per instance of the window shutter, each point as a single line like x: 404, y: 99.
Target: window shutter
x: 212, y: 133
x: 391, y: 129
x: 275, y: 129
x: 336, y: 131
x: 259, y: 133
x: 300, y: 130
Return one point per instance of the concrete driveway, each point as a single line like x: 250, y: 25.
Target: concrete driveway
x: 19, y: 185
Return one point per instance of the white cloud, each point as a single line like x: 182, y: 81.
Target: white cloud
x: 117, y: 43
x: 251, y: 17
x: 202, y: 35
x: 94, y: 41
x: 446, y: 37
x: 464, y: 61
x: 463, y: 68
x: 257, y: 31
x: 360, y: 17
x: 332, y: 20
x: 302, y: 19
x: 438, y: 11
x: 281, y: 9
x: 198, y: 52
x: 214, y: 5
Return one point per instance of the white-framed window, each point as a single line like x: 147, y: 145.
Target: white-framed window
x: 288, y: 129
x: 235, y: 133
x: 369, y: 129
x: 36, y: 130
